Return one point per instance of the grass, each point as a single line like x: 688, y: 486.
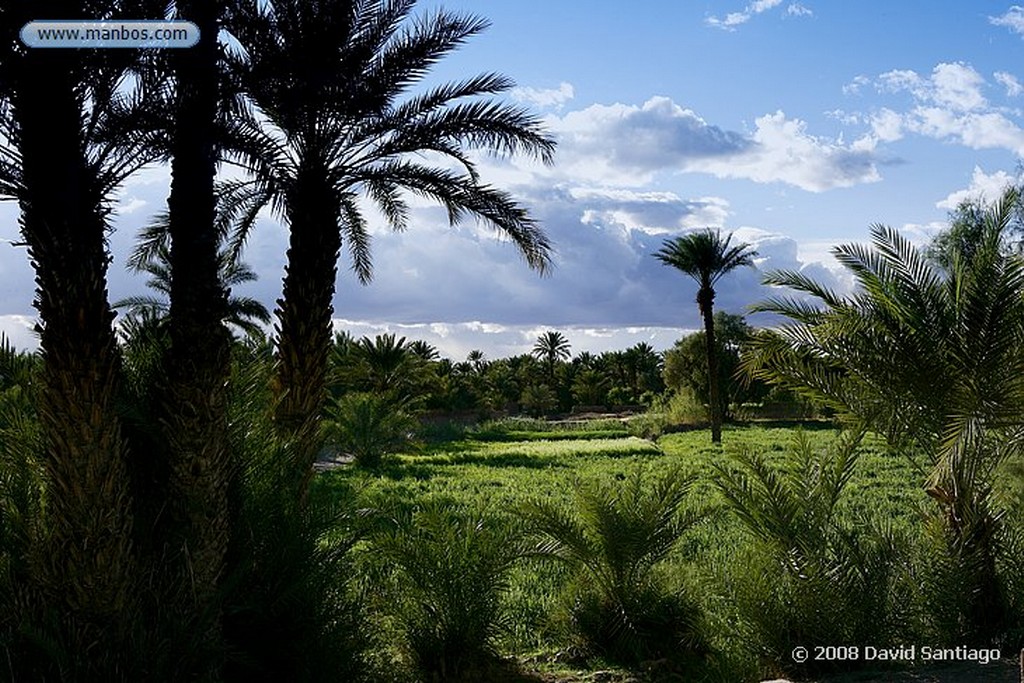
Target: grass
x: 477, y: 471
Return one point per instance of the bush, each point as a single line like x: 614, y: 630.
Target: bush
x: 289, y: 613
x: 368, y: 426
x: 538, y: 400
x: 621, y: 606
x: 809, y: 579
x: 668, y: 411
x: 452, y: 572
x: 971, y: 578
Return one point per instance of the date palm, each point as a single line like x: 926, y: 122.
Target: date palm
x: 552, y: 347
x: 339, y: 115
x: 928, y: 356
x: 152, y: 257
x: 705, y: 256
x: 66, y: 143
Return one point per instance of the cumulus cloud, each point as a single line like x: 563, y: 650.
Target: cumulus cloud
x: 1010, y: 82
x: 655, y: 213
x: 546, y: 98
x: 19, y: 331
x: 948, y: 104
x: 733, y: 19
x: 786, y: 152
x: 467, y: 285
x: 1012, y: 19
x: 627, y: 145
x: 955, y: 86
x: 984, y: 187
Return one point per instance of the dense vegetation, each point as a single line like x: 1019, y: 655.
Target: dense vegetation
x: 161, y: 512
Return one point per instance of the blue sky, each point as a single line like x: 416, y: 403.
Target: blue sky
x: 794, y: 124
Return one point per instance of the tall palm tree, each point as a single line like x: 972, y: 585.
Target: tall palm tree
x: 194, y: 398
x: 552, y: 347
x: 336, y: 119
x: 65, y: 146
x: 929, y: 356
x: 706, y: 257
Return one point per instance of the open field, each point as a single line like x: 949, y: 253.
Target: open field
x: 497, y: 474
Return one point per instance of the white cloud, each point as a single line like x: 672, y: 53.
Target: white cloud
x: 887, y: 125
x: 783, y: 151
x: 551, y: 97
x: 854, y: 86
x: 922, y: 234
x: 19, y: 331
x: 626, y: 145
x: 1010, y: 82
x: 1013, y: 19
x: 955, y: 86
x: 734, y: 19
x: 984, y: 186
x: 655, y: 213
x: 949, y: 104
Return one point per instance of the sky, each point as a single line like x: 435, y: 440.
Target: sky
x: 794, y: 126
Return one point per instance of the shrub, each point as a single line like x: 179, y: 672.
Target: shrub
x: 538, y: 400
x: 452, y: 569
x: 971, y: 577
x: 810, y: 579
x: 668, y: 411
x: 289, y: 613
x: 621, y: 605
x: 368, y: 426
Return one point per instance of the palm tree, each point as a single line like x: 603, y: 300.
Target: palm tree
x: 244, y: 314
x: 197, y: 365
x: 477, y: 359
x: 552, y: 347
x: 65, y: 146
x: 335, y: 120
x: 423, y: 350
x: 706, y: 257
x: 931, y: 357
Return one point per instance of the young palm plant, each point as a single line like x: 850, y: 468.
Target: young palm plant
x: 368, y: 426
x: 620, y: 533
x: 706, y: 257
x: 813, y: 579
x: 453, y: 569
x: 335, y: 120
x: 932, y: 358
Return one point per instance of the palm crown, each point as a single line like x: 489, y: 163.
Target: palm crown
x: 330, y: 85
x: 705, y: 256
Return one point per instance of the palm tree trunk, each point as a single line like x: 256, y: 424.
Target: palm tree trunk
x: 194, y: 404
x: 304, y: 322
x: 706, y: 301
x: 85, y: 564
